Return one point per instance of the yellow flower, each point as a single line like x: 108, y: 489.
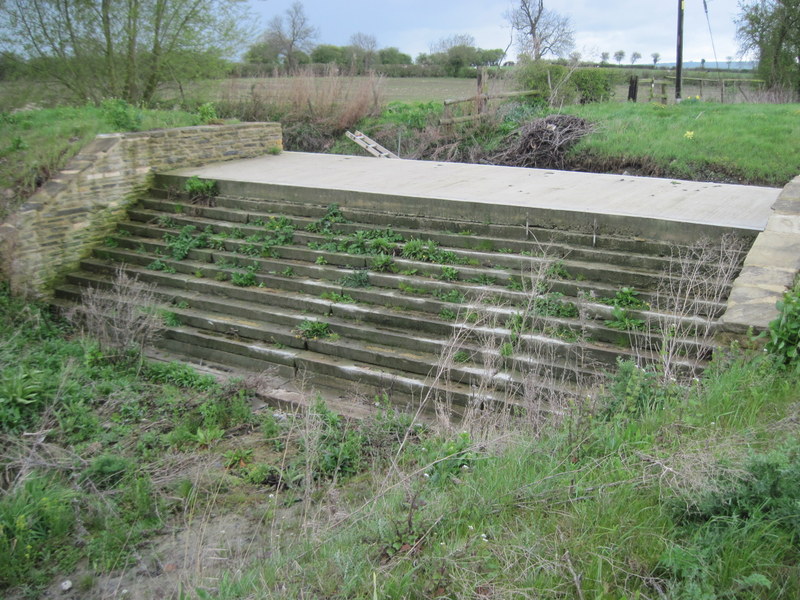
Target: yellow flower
x: 689, y: 135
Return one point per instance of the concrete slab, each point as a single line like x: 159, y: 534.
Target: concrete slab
x: 722, y: 205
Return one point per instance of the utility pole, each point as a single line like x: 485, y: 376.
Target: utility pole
x: 679, y: 61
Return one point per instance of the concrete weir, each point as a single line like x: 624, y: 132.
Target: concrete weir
x: 526, y: 281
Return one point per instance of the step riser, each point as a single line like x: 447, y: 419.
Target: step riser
x: 349, y: 377
x: 200, y: 293
x: 216, y: 217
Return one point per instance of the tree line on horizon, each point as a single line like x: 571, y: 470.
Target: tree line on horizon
x: 127, y: 49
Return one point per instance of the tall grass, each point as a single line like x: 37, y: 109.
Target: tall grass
x: 313, y: 109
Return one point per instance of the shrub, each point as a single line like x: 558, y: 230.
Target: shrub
x: 121, y: 115
x: 592, y: 85
x: 382, y: 263
x: 784, y: 331
x: 207, y: 113
x: 200, y: 190
x: 122, y: 319
x: 356, y: 279
x: 246, y: 279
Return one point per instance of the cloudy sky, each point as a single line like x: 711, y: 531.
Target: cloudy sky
x: 643, y: 26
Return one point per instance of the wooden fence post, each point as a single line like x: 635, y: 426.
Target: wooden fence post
x: 633, y: 88
x: 480, y: 95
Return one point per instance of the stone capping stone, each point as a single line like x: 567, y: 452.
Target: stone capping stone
x: 82, y: 204
x: 769, y: 270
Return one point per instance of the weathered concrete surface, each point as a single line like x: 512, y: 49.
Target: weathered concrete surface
x: 653, y: 208
x: 770, y: 267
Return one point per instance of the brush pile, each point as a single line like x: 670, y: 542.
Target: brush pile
x: 542, y: 143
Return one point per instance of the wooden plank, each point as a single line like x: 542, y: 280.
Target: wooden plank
x: 370, y: 145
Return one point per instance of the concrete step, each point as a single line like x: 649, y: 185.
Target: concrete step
x: 591, y: 343
x: 503, y: 239
x: 385, y: 289
x: 276, y: 206
x: 574, y: 273
x: 518, y: 306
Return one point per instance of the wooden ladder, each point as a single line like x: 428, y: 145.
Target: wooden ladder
x: 371, y: 145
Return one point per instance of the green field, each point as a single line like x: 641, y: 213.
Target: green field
x: 735, y: 143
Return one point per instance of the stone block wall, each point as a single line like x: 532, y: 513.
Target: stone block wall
x: 769, y: 269
x: 81, y: 206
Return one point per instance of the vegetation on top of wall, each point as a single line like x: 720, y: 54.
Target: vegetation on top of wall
x: 40, y: 142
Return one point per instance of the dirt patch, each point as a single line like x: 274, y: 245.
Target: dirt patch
x: 190, y: 556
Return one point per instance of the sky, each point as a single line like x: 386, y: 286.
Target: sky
x: 643, y: 26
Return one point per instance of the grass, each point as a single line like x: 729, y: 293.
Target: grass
x: 739, y: 143
x: 649, y: 486
x: 37, y: 143
x: 594, y: 508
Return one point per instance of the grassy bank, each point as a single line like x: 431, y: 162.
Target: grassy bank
x: 741, y: 143
x: 652, y: 489
x: 37, y: 143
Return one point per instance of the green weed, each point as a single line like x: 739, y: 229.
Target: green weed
x: 313, y: 330
x: 356, y: 279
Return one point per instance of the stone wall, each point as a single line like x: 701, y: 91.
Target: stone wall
x: 770, y: 268
x: 81, y: 205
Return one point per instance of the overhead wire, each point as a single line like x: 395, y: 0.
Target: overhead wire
x: 711, y: 35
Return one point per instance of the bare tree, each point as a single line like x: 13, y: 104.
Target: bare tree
x: 656, y: 57
x: 541, y: 31
x: 604, y: 57
x: 635, y: 56
x: 290, y: 35
x: 619, y: 55
x: 446, y: 43
x: 364, y: 48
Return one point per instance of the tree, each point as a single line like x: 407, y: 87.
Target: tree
x: 656, y: 57
x: 604, y: 57
x: 362, y: 53
x: 771, y: 30
x: 459, y: 57
x: 619, y: 55
x: 635, y: 56
x: 291, y: 35
x: 120, y: 48
x: 327, y: 53
x: 443, y: 45
x: 393, y: 56
x: 491, y: 58
x: 261, y: 53
x: 541, y: 31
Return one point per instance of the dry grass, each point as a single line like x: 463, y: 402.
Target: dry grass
x: 313, y: 110
x: 697, y: 281
x: 122, y: 318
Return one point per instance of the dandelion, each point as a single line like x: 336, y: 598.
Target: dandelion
x: 470, y: 527
x: 689, y: 135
